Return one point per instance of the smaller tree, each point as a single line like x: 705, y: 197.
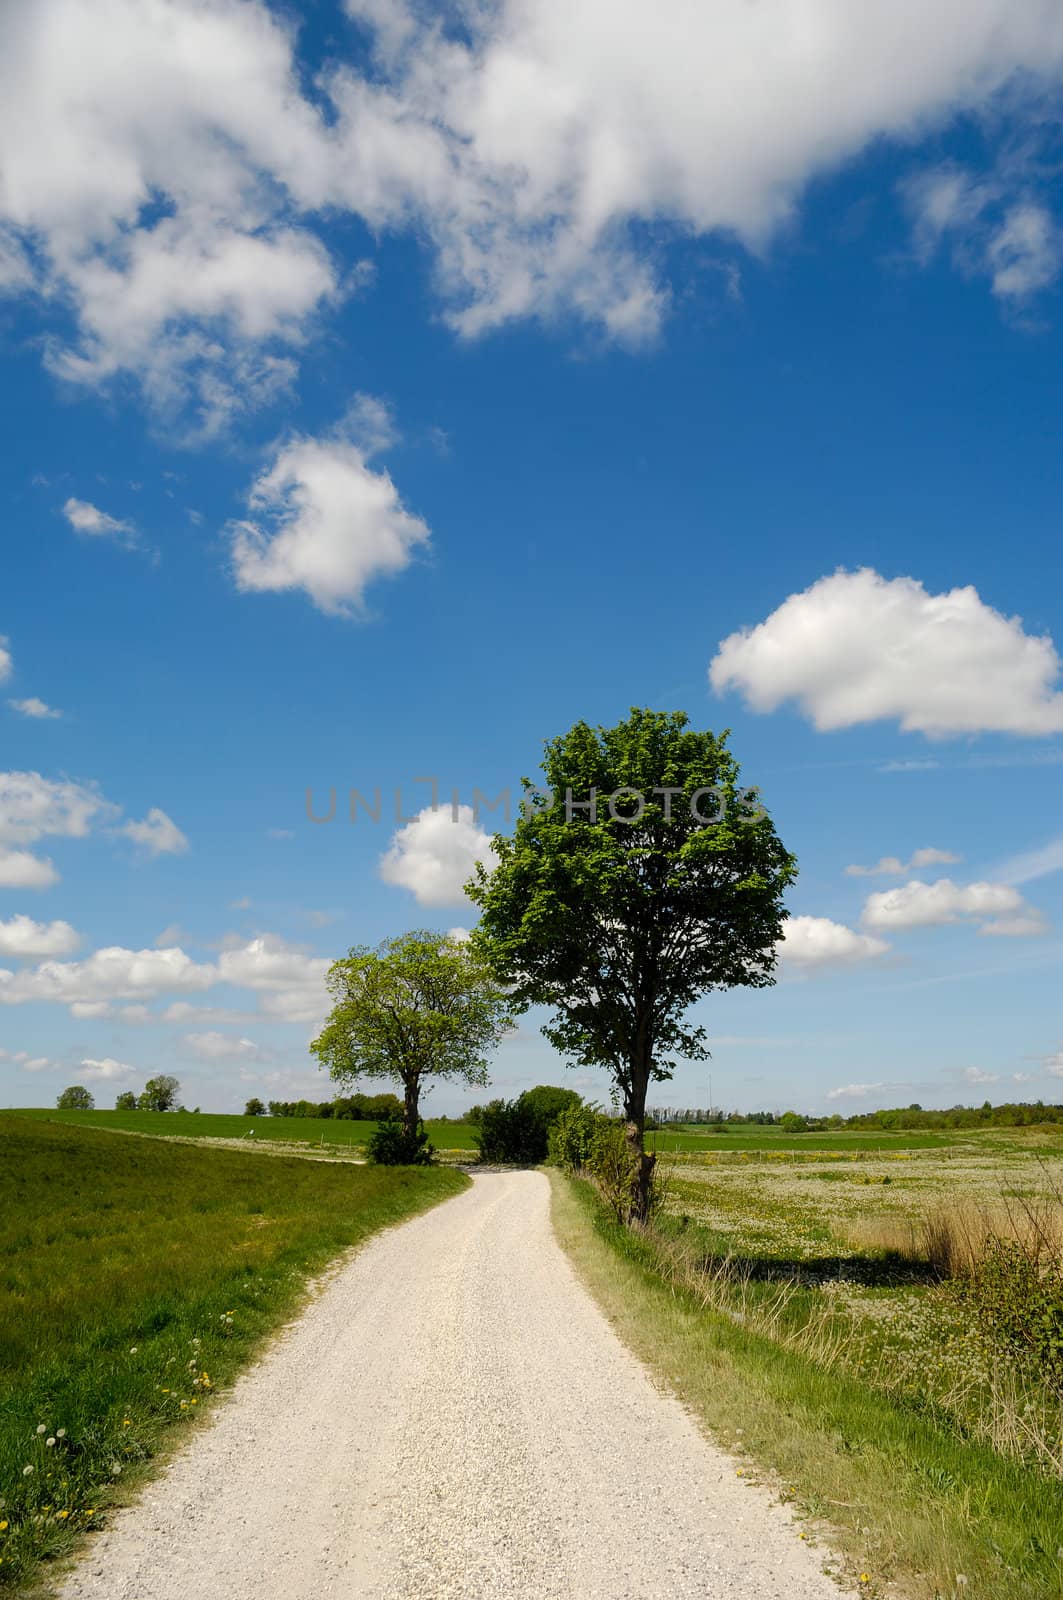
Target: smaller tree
x: 126, y: 1101
x: 159, y: 1094
x: 422, y: 1006
x: 76, y: 1098
x: 254, y: 1107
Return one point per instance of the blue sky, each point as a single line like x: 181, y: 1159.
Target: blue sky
x: 385, y: 391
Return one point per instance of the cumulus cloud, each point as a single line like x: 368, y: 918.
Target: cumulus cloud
x: 112, y: 973
x: 89, y: 520
x: 862, y: 1091
x: 158, y: 834
x: 291, y: 982
x: 434, y: 855
x: 1031, y: 924
x: 324, y: 521
x: 214, y: 1046
x: 36, y: 708
x: 979, y: 1075
x: 932, y: 905
x: 20, y: 869
x: 811, y: 942
x: 32, y: 807
x: 6, y: 665
x: 23, y: 938
x: 894, y: 867
x: 105, y: 1070
x: 857, y: 647
x: 172, y: 192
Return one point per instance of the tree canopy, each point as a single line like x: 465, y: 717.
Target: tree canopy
x: 76, y: 1098
x: 420, y: 1006
x: 159, y: 1094
x: 642, y: 878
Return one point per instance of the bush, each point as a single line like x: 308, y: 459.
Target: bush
x: 571, y: 1136
x: 126, y: 1101
x: 1018, y: 1300
x: 390, y: 1146
x: 518, y: 1131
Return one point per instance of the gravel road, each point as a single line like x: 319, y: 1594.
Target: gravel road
x: 452, y: 1417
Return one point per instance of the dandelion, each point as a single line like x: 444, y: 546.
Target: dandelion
x: 26, y: 1471
x: 134, y: 1350
x: 4, y: 1527
x: 184, y: 1405
x: 116, y: 1469
x: 865, y: 1577
x: 50, y: 1443
x: 60, y: 1433
x: 126, y: 1422
x: 63, y: 1514
x: 42, y: 1428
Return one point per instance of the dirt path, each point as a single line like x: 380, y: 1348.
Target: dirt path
x: 452, y: 1416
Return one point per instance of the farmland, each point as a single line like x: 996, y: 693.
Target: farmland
x: 138, y: 1277
x: 335, y: 1135
x: 805, y: 1303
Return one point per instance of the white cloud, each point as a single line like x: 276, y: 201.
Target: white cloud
x: 857, y: 647
x: 172, y: 934
x: 1053, y: 1065
x: 810, y: 942
x: 1032, y: 924
x: 32, y: 807
x: 89, y: 520
x: 22, y: 938
x: 292, y: 983
x: 931, y: 905
x: 1033, y: 864
x: 862, y: 1091
x: 327, y: 523
x: 19, y: 869
x: 33, y: 707
x: 434, y: 855
x: 214, y: 1046
x: 1013, y: 242
x: 112, y: 973
x: 6, y: 666
x: 158, y: 834
x: 105, y: 1071
x: 894, y: 867
x: 173, y: 191
x: 156, y: 183
x: 532, y: 143
x: 979, y: 1075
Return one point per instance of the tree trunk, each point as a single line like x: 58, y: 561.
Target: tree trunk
x: 642, y: 1164
x: 411, y: 1085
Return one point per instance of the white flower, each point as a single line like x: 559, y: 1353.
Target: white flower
x: 60, y: 1433
x: 26, y: 1471
x: 116, y: 1469
x: 42, y: 1427
x: 49, y: 1442
x: 133, y: 1351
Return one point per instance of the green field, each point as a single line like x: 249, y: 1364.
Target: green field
x: 137, y: 1277
x: 327, y: 1131
x: 795, y: 1306
x: 741, y: 1137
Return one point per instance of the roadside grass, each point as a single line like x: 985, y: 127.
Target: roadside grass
x: 331, y: 1133
x: 909, y: 1497
x: 137, y: 1277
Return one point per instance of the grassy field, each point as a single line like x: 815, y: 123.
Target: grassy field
x: 774, y: 1140
x: 795, y: 1307
x: 137, y: 1277
x: 323, y: 1131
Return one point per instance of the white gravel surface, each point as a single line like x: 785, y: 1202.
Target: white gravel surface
x: 452, y: 1416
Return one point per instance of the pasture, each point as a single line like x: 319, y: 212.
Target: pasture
x: 331, y: 1134
x: 816, y: 1309
x: 137, y: 1277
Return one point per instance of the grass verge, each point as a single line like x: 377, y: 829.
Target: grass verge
x: 920, y: 1511
x: 137, y: 1277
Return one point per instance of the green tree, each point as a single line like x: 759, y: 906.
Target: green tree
x: 75, y: 1098
x: 159, y: 1094
x: 126, y: 1101
x: 254, y: 1107
x: 651, y: 879
x: 420, y: 1006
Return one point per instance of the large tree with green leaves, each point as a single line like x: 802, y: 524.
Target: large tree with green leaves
x: 641, y: 877
x: 422, y: 1006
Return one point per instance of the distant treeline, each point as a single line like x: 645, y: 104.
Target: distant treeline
x: 1011, y: 1115
x: 351, y: 1107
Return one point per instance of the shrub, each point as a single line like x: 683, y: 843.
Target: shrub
x: 390, y: 1146
x: 1018, y: 1301
x: 571, y: 1135
x: 510, y: 1131
x: 126, y: 1101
